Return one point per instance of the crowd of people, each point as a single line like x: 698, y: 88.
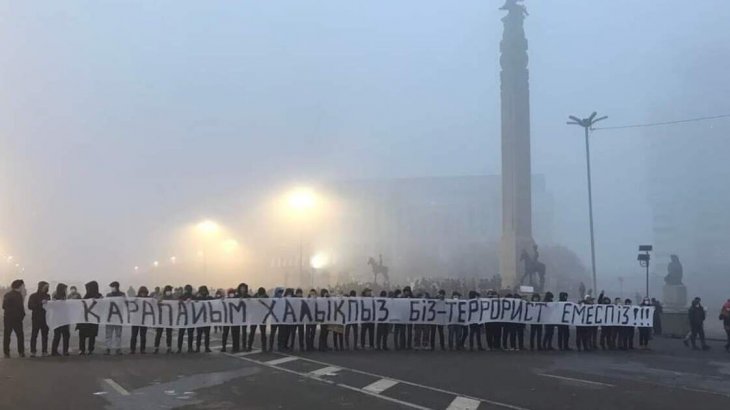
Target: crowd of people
x: 377, y: 336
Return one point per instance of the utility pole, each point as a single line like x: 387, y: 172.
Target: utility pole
x: 587, y: 124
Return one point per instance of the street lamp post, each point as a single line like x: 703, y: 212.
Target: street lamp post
x: 587, y: 124
x: 644, y: 259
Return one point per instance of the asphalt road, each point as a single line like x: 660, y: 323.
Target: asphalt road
x: 668, y: 377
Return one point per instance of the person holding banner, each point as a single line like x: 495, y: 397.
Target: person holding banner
x: 352, y: 328
x: 241, y: 293
x: 407, y: 334
x: 298, y: 329
x: 644, y: 332
x: 166, y: 295
x: 260, y: 293
x: 547, y: 341
x: 310, y: 329
x: 202, y: 332
x: 455, y: 331
x: 563, y: 330
x: 187, y: 296
x: 437, y: 328
x: 536, y: 330
x: 381, y: 341
x: 114, y: 332
x: 367, y: 328
x: 323, y: 328
x: 228, y: 330
x: 626, y: 336
x: 61, y: 332
x: 139, y: 331
x: 88, y: 331
x: 475, y: 329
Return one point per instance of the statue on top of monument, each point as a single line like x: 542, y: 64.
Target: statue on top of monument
x: 674, y: 272
x: 514, y: 6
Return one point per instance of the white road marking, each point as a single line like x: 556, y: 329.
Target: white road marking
x: 463, y: 403
x: 380, y: 386
x: 247, y: 353
x: 571, y: 379
x: 114, y: 385
x: 325, y: 371
x: 344, y: 386
x: 283, y: 360
x: 436, y: 389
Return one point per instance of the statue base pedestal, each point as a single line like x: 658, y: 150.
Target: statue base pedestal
x: 675, y: 298
x: 674, y: 324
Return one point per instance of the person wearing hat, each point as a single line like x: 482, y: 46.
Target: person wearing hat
x: 114, y: 332
x: 13, y: 315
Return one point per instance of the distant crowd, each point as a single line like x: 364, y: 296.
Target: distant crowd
x: 326, y: 337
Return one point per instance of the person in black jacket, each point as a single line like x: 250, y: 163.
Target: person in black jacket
x: 297, y: 329
x: 475, y: 329
x: 367, y: 330
x: 140, y: 331
x: 549, y: 330
x: 381, y: 338
x: 61, y: 332
x: 260, y: 293
x: 166, y: 295
x: 536, y: 330
x: 13, y: 314
x: 204, y: 331
x: 240, y: 333
x: 563, y: 330
x: 229, y: 330
x: 441, y: 295
x: 352, y: 328
x: 645, y: 332
x: 114, y: 332
x: 311, y: 329
x: 187, y: 296
x: 696, y: 324
x: 89, y: 331
x: 38, y: 318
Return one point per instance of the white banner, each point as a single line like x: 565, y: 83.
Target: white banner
x: 338, y: 310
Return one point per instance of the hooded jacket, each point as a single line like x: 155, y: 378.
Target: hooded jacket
x: 35, y: 303
x: 242, y: 291
x: 696, y: 315
x: 60, y: 293
x: 13, y: 306
x: 92, y: 292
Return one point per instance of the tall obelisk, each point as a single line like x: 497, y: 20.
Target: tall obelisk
x: 516, y: 172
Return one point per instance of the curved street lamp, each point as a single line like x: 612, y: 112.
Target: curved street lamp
x: 587, y: 124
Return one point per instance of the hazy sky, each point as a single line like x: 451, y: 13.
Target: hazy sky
x: 120, y: 120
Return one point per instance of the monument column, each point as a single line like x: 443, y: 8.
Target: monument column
x: 516, y: 169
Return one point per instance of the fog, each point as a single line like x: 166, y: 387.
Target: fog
x: 125, y: 124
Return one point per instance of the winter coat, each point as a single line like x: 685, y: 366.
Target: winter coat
x: 13, y: 306
x: 35, y: 304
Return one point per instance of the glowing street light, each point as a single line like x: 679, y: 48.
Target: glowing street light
x: 136, y: 268
x: 155, y: 264
x: 230, y: 245
x: 173, y: 259
x: 319, y: 261
x: 208, y: 227
x: 302, y: 199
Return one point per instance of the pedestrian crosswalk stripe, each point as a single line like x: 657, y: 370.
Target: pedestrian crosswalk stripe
x: 247, y: 353
x: 326, y: 371
x: 463, y: 403
x: 380, y: 385
x: 283, y: 360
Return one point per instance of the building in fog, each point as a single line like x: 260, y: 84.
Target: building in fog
x: 429, y: 226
